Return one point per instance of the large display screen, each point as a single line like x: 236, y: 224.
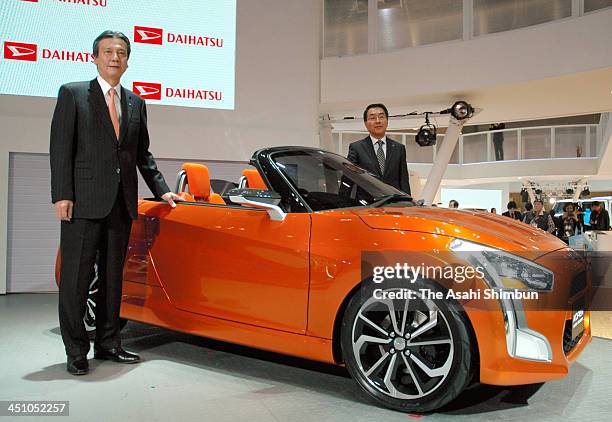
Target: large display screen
x: 183, y: 52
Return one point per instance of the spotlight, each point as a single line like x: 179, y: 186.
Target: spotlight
x: 461, y: 110
x: 585, y: 192
x: 569, y: 191
x: 538, y: 191
x: 551, y: 200
x: 426, y: 136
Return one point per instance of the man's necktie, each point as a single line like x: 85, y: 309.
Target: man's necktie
x: 380, y: 155
x: 113, y: 111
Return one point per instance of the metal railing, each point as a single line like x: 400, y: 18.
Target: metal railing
x: 526, y: 143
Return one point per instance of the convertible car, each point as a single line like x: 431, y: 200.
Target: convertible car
x: 285, y: 262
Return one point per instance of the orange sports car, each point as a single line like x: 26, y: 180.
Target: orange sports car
x: 311, y: 256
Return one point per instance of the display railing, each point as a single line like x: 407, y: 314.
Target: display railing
x: 526, y: 143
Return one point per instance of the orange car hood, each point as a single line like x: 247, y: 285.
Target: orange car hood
x: 480, y: 227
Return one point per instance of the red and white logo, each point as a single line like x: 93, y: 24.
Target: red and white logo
x: 147, y: 90
x: 147, y: 35
x: 20, y: 51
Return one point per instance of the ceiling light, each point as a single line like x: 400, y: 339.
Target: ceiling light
x: 426, y: 136
x: 461, y: 110
x: 585, y: 192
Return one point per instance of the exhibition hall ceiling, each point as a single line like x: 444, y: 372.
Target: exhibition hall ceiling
x: 567, y: 95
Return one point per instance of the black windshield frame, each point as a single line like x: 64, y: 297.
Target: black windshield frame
x: 319, y: 180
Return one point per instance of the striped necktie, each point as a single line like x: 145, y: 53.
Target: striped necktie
x: 380, y: 155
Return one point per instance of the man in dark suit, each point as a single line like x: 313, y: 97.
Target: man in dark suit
x: 379, y: 154
x: 513, y: 212
x: 98, y: 138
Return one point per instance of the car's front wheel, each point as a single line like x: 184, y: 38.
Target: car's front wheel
x: 410, y: 354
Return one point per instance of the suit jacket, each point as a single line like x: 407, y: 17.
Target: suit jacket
x: 87, y: 161
x: 517, y: 215
x: 362, y: 154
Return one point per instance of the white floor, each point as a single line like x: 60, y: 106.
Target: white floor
x: 185, y: 378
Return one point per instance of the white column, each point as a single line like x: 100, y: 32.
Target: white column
x: 468, y: 19
x: 326, y: 140
x: 372, y: 26
x: 552, y: 142
x: 443, y: 157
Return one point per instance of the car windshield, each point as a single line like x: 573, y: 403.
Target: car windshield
x: 329, y: 181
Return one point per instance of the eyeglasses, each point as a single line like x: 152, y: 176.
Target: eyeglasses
x: 372, y: 117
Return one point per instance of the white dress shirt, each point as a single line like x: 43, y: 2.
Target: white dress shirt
x: 105, y: 90
x: 384, y: 145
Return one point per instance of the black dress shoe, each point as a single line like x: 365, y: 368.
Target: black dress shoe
x: 117, y: 355
x: 77, y: 365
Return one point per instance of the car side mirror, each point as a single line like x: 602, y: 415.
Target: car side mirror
x: 259, y: 198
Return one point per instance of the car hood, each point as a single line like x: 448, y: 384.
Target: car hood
x: 479, y: 227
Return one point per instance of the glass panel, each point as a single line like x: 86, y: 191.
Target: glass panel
x: 475, y: 148
x: 536, y: 143
x: 593, y: 142
x: 416, y: 153
x: 590, y: 5
x: 455, y: 157
x: 348, y: 138
x: 492, y: 16
x: 570, y: 142
x: 410, y: 23
x: 327, y: 181
x: 346, y: 27
x: 510, y: 147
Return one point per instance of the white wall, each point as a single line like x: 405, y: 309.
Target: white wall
x: 277, y: 100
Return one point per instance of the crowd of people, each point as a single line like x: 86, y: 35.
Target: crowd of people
x: 569, y: 224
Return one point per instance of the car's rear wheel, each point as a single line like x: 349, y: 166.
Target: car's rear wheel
x: 90, y: 311
x: 407, y: 354
x: 89, y: 319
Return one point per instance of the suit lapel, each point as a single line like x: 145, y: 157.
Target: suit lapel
x: 100, y: 108
x: 370, y: 151
x: 126, y: 113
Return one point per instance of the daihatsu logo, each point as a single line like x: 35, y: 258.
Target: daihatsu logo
x: 147, y: 90
x: 20, y: 51
x: 143, y: 34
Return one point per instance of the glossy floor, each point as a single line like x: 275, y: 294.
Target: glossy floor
x: 189, y: 378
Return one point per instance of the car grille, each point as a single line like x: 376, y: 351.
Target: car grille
x: 568, y: 342
x: 579, y: 283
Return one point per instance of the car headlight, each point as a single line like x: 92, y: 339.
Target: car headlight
x: 502, y: 269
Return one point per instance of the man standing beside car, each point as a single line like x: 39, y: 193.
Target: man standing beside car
x: 379, y: 154
x: 513, y: 211
x: 99, y: 137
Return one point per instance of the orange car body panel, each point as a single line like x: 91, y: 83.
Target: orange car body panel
x: 233, y: 274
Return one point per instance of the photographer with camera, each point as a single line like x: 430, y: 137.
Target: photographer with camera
x: 569, y: 224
